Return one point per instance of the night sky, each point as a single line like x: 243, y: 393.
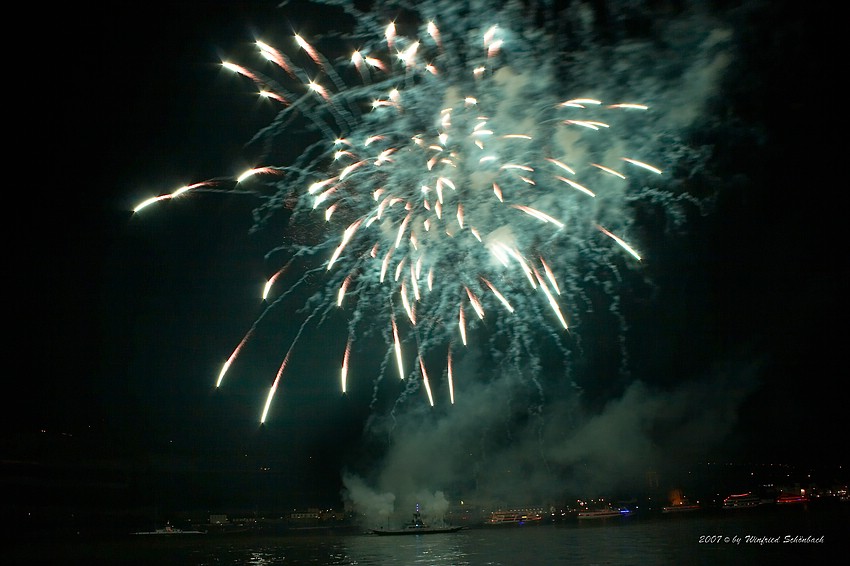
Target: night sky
x: 131, y: 318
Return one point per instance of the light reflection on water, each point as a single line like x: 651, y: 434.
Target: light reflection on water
x: 438, y: 549
x: 645, y: 543
x: 648, y: 542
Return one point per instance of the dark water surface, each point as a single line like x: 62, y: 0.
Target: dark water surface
x: 628, y: 540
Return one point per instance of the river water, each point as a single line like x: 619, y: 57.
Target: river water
x: 703, y: 537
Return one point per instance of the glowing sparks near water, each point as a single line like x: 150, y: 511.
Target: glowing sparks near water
x: 273, y: 388
x: 442, y: 185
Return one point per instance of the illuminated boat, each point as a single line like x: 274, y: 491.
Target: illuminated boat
x: 514, y: 517
x: 417, y: 527
x: 741, y: 501
x: 603, y: 513
x: 680, y: 504
x: 789, y: 498
x: 681, y: 508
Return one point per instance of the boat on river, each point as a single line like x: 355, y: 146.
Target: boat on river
x: 169, y: 530
x: 683, y: 507
x: 603, y: 513
x: 514, y: 517
x: 417, y: 527
x: 742, y: 501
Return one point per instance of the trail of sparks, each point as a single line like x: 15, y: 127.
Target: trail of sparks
x: 451, y: 379
x: 271, y: 281
x: 273, y: 388
x: 619, y: 241
x: 397, y: 345
x: 232, y: 357
x: 182, y: 190
x: 344, y: 372
x: 425, y: 381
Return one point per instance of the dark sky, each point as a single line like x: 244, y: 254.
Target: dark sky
x: 131, y: 318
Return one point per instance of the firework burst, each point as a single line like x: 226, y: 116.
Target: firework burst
x: 458, y: 188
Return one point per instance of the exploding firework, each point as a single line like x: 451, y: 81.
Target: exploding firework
x: 462, y: 197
